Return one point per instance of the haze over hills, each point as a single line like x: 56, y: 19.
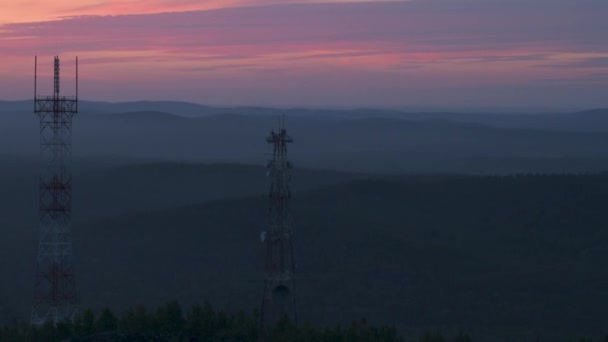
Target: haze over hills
x: 106, y: 189
x: 541, y: 119
x: 356, y: 140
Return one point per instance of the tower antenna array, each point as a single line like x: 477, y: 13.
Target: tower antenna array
x: 55, y: 288
x: 279, y: 297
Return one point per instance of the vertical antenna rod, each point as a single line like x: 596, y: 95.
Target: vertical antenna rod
x: 56, y: 77
x: 55, y: 288
x: 279, y: 298
x: 76, y: 83
x: 35, y: 80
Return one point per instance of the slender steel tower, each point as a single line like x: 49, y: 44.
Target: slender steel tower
x: 55, y: 289
x: 279, y: 297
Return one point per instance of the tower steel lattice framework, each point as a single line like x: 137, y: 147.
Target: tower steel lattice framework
x: 55, y: 297
x: 279, y: 297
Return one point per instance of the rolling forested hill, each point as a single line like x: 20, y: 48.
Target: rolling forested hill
x: 170, y: 205
x: 517, y: 255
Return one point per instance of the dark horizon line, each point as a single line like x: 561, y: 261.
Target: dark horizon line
x: 343, y: 107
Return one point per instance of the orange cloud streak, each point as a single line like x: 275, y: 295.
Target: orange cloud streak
x: 16, y: 11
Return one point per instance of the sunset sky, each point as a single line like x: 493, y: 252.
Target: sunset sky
x: 435, y: 53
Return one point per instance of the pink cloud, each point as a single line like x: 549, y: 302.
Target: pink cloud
x: 59, y: 9
x: 323, y: 49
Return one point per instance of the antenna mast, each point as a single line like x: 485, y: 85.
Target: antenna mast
x: 55, y: 289
x: 279, y: 299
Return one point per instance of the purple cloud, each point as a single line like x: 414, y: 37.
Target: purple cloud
x: 370, y: 52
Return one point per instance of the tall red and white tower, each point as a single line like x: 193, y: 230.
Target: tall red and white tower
x: 279, y: 299
x: 55, y: 289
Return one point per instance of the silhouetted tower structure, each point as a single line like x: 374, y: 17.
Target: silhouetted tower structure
x: 55, y: 289
x: 279, y: 297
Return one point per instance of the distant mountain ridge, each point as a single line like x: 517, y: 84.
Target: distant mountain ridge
x: 599, y: 111
x: 356, y: 140
x: 588, y: 120
x: 142, y: 116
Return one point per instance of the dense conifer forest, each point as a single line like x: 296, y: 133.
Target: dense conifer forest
x: 203, y: 323
x: 199, y: 323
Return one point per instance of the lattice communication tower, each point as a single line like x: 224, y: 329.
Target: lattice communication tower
x: 279, y: 298
x: 55, y: 297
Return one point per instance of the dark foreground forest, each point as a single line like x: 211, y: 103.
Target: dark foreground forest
x: 200, y: 323
x: 205, y: 324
